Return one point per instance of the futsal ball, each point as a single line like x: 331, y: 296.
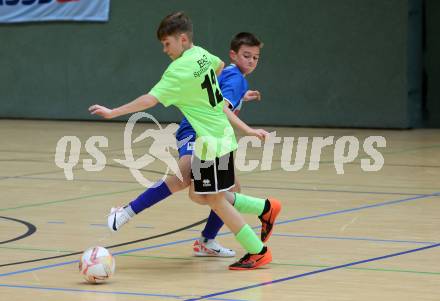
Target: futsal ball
x: 96, y: 265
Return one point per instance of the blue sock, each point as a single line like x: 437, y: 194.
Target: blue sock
x: 212, y: 226
x: 150, y: 197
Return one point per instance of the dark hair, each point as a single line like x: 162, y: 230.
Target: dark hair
x: 173, y: 24
x: 245, y: 38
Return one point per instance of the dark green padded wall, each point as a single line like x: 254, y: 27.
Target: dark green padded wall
x: 432, y: 62
x: 324, y: 63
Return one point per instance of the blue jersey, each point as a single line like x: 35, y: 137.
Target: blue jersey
x: 233, y: 86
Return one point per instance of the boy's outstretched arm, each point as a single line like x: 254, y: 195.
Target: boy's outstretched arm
x: 141, y: 103
x: 238, y: 123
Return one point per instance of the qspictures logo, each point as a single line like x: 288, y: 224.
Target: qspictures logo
x: 346, y: 149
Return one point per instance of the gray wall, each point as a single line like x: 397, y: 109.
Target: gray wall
x: 325, y: 63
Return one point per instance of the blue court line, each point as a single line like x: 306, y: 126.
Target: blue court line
x: 341, y: 238
x: 155, y: 246
x: 87, y: 291
x: 55, y: 222
x: 38, y: 268
x: 225, y: 233
x: 386, y: 203
x: 381, y: 204
x: 115, y: 254
x: 314, y: 272
x: 106, y: 292
x: 355, y: 238
x: 221, y: 299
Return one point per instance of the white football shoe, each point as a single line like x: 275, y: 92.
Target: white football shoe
x: 211, y: 248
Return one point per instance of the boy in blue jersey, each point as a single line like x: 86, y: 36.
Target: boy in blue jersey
x: 178, y: 87
x: 244, y: 55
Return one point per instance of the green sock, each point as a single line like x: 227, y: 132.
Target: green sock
x: 249, y: 240
x: 247, y: 204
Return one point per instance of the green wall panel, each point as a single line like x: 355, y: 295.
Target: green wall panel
x: 336, y: 63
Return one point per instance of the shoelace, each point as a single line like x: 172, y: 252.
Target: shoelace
x: 122, y: 219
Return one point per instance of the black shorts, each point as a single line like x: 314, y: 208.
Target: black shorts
x: 211, y: 177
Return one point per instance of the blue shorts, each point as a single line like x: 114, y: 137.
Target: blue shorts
x: 183, y: 133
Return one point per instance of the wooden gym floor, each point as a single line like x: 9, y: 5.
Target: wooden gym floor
x: 358, y: 236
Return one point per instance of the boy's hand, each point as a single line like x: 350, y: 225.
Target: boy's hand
x: 259, y: 133
x: 101, y: 111
x: 252, y: 95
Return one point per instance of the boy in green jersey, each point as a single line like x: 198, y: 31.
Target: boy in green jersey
x: 190, y: 84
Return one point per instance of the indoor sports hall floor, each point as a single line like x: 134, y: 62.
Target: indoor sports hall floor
x: 358, y: 236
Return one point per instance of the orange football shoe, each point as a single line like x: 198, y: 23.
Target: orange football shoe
x: 252, y: 261
x: 268, y: 219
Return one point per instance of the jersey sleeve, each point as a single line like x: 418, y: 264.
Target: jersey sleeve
x: 232, y: 88
x: 167, y: 90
